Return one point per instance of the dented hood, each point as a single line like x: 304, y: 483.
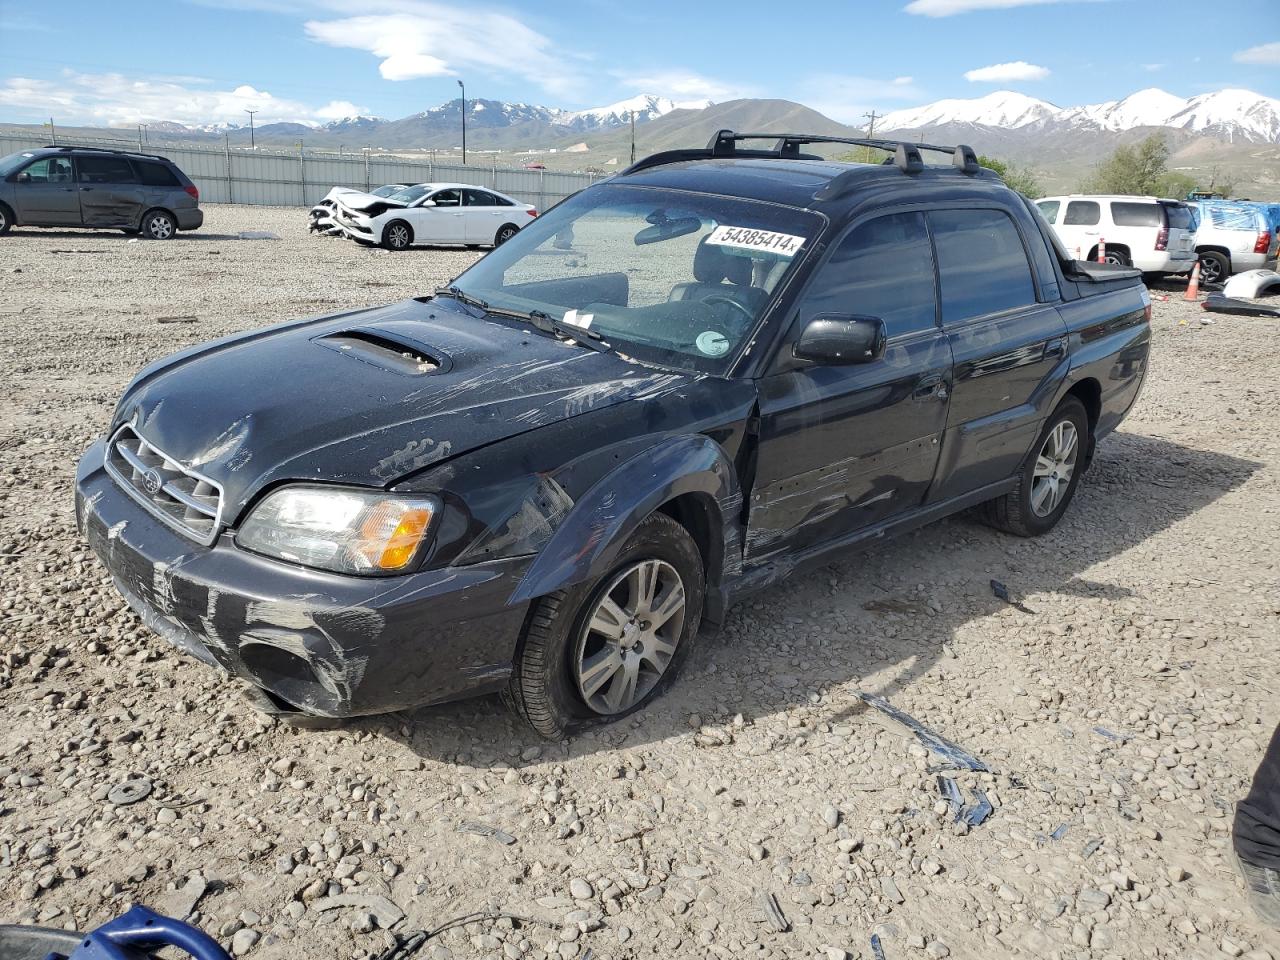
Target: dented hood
x: 364, y: 201
x: 369, y: 398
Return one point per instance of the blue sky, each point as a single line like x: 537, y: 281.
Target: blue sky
x: 197, y: 61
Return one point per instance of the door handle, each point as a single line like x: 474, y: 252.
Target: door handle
x: 1056, y: 347
x: 86, y: 189
x: 931, y: 388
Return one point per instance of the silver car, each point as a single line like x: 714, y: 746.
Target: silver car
x: 110, y: 189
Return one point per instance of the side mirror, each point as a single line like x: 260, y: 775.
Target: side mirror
x: 834, y: 340
x: 24, y: 177
x: 427, y: 203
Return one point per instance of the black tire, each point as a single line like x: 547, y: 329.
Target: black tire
x: 6, y: 219
x: 1014, y: 512
x: 397, y: 235
x: 1215, y: 267
x: 1116, y: 256
x: 543, y: 690
x: 159, y: 225
x: 505, y: 233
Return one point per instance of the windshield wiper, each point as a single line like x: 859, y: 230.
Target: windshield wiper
x: 457, y: 293
x: 538, y: 319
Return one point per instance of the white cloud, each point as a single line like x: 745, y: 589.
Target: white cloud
x: 847, y: 98
x: 113, y: 99
x: 339, y: 110
x: 1007, y: 72
x: 414, y: 39
x: 1267, y: 54
x: 949, y: 8
x: 1153, y: 67
x: 685, y: 85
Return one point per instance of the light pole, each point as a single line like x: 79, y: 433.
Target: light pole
x: 251, y: 113
x: 142, y: 133
x: 464, y: 121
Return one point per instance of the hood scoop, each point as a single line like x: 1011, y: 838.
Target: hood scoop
x: 394, y: 353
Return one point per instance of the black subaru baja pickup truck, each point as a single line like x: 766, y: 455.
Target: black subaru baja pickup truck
x: 674, y: 388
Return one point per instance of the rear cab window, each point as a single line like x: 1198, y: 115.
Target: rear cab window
x: 1049, y: 209
x: 982, y: 264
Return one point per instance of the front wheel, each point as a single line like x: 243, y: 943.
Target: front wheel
x: 6, y: 220
x: 1049, y: 477
x: 397, y: 235
x: 603, y: 649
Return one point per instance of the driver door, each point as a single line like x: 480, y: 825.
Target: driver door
x: 47, y: 194
x: 845, y: 447
x: 443, y: 222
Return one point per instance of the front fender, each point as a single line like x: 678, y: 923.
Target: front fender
x: 591, y: 536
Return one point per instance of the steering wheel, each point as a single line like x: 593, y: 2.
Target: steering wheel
x: 721, y: 298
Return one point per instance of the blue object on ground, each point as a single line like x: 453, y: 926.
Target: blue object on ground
x: 978, y: 811
x: 139, y: 932
x: 877, y: 949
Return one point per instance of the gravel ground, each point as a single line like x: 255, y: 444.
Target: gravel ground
x: 1122, y: 703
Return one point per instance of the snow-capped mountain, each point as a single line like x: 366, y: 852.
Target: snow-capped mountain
x: 1229, y: 114
x: 645, y: 106
x: 1001, y: 109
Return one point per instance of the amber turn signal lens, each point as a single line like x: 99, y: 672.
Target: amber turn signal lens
x: 391, y: 534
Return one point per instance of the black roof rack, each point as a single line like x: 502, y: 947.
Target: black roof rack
x: 131, y: 153
x: 724, y: 143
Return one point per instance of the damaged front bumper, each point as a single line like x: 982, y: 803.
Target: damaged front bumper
x: 314, y: 642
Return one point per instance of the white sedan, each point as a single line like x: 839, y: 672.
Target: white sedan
x: 433, y: 213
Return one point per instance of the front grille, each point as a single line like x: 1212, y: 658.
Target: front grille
x: 188, y: 502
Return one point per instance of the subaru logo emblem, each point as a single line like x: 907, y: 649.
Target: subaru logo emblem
x: 151, y: 482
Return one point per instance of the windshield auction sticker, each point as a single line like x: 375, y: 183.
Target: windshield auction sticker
x: 781, y: 244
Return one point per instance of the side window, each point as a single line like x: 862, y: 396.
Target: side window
x: 1137, y: 215
x: 982, y: 264
x: 447, y: 198
x: 49, y: 170
x: 883, y: 268
x: 477, y: 198
x: 1049, y: 209
x: 155, y: 174
x: 1082, y: 213
x: 105, y: 170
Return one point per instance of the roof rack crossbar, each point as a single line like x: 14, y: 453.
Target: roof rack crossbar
x: 786, y: 146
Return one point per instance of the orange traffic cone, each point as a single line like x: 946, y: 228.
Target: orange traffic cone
x: 1102, y: 250
x: 1193, y: 288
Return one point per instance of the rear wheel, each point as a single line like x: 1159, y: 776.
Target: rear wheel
x: 1215, y: 267
x: 397, y: 235
x: 159, y: 225
x: 1116, y: 256
x: 505, y: 233
x: 601, y: 650
x: 1049, y: 477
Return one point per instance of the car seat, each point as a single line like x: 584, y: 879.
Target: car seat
x: 711, y: 267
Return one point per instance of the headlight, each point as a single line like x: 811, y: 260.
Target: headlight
x: 346, y: 531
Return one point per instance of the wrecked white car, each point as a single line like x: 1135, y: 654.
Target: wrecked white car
x: 433, y: 213
x: 321, y: 215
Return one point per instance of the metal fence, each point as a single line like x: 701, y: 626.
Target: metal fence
x: 300, y: 178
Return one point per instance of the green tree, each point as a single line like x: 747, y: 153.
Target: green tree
x: 1136, y: 170
x: 1017, y: 178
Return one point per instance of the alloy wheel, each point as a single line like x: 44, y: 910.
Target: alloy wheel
x: 1209, y: 271
x: 505, y: 234
x: 1055, y: 465
x: 630, y: 637
x: 160, y: 228
x: 398, y: 236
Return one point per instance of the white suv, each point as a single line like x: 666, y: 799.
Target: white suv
x: 1154, y: 235
x: 1232, y: 238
